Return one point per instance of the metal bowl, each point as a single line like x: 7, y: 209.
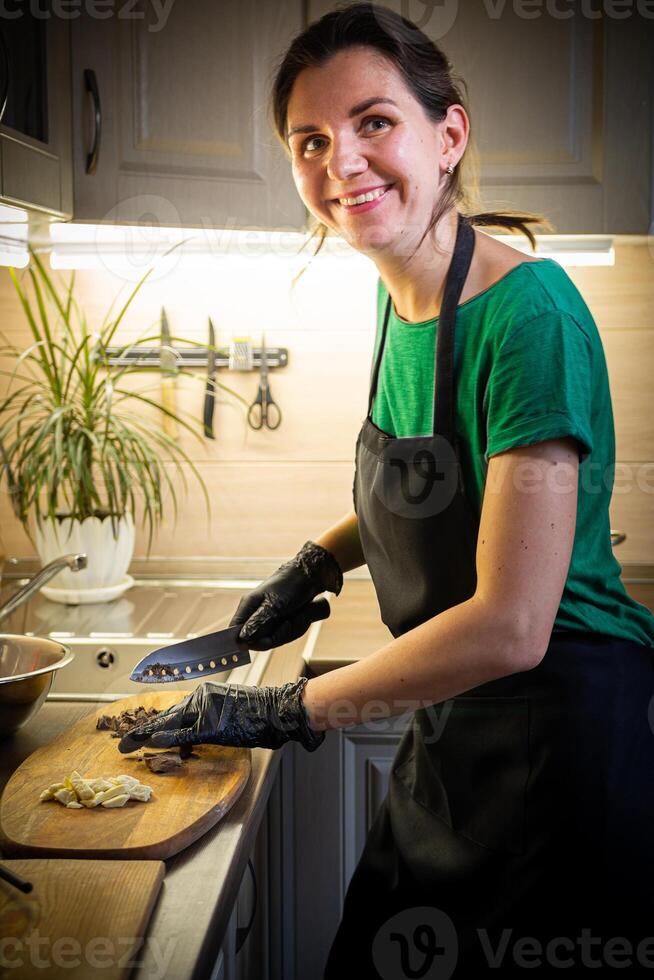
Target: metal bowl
x: 27, y: 666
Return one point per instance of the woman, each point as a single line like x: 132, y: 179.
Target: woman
x: 521, y: 799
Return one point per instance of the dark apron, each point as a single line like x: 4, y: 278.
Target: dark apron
x: 523, y: 809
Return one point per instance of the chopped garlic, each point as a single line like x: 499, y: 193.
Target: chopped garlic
x: 116, y: 800
x: 140, y: 792
x: 126, y: 781
x: 109, y: 794
x: 100, y: 784
x: 65, y: 796
x: 81, y: 787
x: 48, y: 794
x: 77, y: 793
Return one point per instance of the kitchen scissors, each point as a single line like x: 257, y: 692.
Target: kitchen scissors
x: 264, y: 411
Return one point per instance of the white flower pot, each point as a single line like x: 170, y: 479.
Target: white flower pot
x: 108, y: 556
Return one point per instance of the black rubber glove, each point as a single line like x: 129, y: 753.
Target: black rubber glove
x: 230, y: 714
x: 280, y: 609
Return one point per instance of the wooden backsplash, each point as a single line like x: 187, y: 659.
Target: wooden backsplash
x: 271, y: 491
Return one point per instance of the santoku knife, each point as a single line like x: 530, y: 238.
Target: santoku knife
x: 189, y: 659
x: 212, y: 653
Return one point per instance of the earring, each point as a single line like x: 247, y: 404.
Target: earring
x: 450, y: 169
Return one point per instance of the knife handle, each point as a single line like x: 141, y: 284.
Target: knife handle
x: 319, y: 609
x: 168, y: 402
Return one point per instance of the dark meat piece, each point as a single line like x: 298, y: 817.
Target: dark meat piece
x: 161, y: 761
x: 159, y: 670
x: 122, y: 723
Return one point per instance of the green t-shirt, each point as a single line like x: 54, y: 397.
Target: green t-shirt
x: 529, y: 366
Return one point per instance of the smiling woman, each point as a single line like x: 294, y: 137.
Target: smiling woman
x: 526, y: 814
x: 412, y: 116
x: 495, y: 574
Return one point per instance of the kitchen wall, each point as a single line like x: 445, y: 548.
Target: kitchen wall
x: 270, y: 491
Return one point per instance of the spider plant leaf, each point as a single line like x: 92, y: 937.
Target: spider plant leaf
x: 14, y: 490
x: 71, y: 438
x: 49, y: 345
x: 27, y: 309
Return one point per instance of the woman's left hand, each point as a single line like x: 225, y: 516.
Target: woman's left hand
x: 230, y: 714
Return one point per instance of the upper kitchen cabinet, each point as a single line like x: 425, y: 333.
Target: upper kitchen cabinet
x: 560, y: 102
x: 35, y: 128
x: 171, y: 122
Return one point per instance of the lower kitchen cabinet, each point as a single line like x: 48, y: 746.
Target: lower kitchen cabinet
x: 320, y: 809
x: 328, y: 801
x: 245, y: 951
x: 253, y: 947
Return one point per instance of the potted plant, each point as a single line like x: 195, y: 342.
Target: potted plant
x: 79, y: 457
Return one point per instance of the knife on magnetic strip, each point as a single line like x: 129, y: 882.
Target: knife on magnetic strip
x: 169, y: 369
x: 210, y: 389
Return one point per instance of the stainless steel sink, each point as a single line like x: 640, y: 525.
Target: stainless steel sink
x: 109, y: 639
x: 101, y: 669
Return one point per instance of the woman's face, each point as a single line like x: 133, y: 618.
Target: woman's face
x: 363, y: 130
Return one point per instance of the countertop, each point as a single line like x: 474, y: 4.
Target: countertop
x: 201, y: 885
x: 355, y: 630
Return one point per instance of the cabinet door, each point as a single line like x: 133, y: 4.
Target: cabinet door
x: 549, y: 90
x: 329, y: 804
x: 225, y: 965
x: 186, y: 138
x: 367, y: 763
x: 35, y: 132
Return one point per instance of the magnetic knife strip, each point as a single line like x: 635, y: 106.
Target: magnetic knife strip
x: 188, y: 357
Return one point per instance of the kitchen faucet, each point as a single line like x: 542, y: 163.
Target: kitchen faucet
x: 74, y: 562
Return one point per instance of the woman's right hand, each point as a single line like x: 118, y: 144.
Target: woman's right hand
x: 281, y: 608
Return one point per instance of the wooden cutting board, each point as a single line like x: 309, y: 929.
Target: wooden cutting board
x: 82, y: 918
x: 183, y: 805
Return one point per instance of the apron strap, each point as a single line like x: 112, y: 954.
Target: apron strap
x: 443, y: 418
x: 444, y: 379
x: 375, y: 370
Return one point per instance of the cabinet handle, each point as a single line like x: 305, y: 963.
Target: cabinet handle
x: 243, y: 933
x: 617, y: 537
x: 5, y: 67
x: 91, y: 85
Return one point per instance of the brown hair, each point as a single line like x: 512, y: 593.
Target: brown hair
x: 429, y: 77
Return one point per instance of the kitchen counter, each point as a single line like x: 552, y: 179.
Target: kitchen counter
x: 355, y: 630
x: 190, y: 919
x: 201, y: 885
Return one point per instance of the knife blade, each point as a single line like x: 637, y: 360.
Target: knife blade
x: 169, y: 369
x: 212, y: 653
x: 210, y: 389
